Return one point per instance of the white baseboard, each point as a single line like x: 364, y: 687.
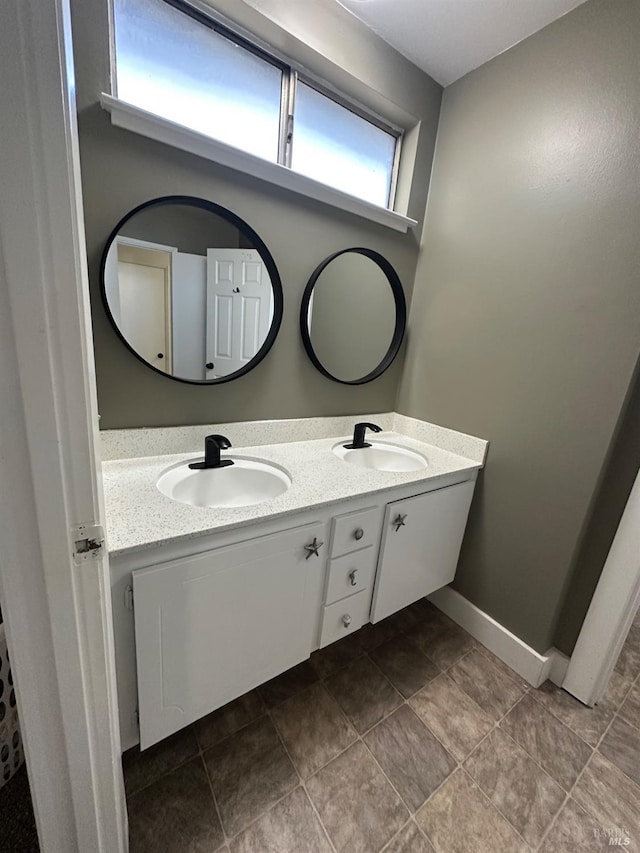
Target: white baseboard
x: 527, y: 662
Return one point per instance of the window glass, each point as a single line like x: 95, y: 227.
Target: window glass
x: 169, y: 64
x: 334, y: 145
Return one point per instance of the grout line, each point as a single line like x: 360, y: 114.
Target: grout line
x: 460, y: 764
x: 255, y: 820
x: 617, y: 713
x: 215, y: 799
x: 402, y: 829
x: 586, y: 707
x: 359, y: 737
x: 494, y: 806
x: 582, y: 772
x: 301, y: 780
x: 163, y: 774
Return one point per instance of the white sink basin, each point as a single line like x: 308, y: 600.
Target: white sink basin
x: 245, y: 483
x: 381, y: 457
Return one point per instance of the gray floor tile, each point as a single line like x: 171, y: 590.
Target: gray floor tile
x: 487, y: 684
x: 516, y: 785
x: 175, y: 813
x: 460, y: 819
x: 371, y: 636
x: 513, y: 675
x: 250, y: 771
x: 171, y: 807
x: 290, y: 827
x: 574, y: 831
x: 363, y: 693
x: 621, y: 745
x: 406, y: 667
x: 559, y: 750
x: 288, y: 684
x: 440, y: 639
x: 313, y: 728
x: 452, y: 716
x: 414, y: 761
x: 409, y: 840
x: 589, y: 723
x: 609, y: 796
x: 229, y: 719
x: 630, y: 710
x: 413, y: 616
x: 358, y: 807
x: 142, y: 768
x: 336, y: 656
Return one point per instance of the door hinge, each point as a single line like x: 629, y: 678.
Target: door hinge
x: 88, y: 542
x: 128, y: 597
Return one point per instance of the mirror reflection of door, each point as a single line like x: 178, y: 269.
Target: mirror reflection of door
x: 239, y: 308
x: 191, y: 289
x: 143, y: 285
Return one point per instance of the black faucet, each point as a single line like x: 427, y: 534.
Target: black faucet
x: 358, y: 436
x: 213, y: 444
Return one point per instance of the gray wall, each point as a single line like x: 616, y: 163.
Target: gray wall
x: 188, y: 229
x: 525, y: 322
x: 121, y: 170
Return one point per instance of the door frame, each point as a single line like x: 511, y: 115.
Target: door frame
x: 171, y: 251
x: 56, y: 599
x: 611, y: 612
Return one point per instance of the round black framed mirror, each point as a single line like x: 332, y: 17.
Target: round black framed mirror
x: 353, y: 316
x: 191, y: 290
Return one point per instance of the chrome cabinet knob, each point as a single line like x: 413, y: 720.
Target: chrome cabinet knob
x: 352, y: 578
x: 346, y: 620
x: 358, y: 534
x: 399, y: 521
x: 313, y: 548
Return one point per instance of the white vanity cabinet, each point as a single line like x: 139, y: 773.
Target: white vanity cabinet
x: 210, y: 627
x: 421, y: 542
x: 200, y: 621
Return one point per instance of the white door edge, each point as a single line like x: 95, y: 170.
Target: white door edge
x: 56, y: 608
x: 611, y: 612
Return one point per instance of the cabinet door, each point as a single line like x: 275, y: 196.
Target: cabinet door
x: 420, y: 554
x: 210, y: 627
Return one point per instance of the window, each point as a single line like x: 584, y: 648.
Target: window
x: 334, y: 145
x: 173, y: 61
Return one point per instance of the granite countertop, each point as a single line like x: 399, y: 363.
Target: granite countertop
x: 139, y: 516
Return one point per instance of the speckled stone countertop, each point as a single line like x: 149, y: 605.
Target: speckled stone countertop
x: 139, y: 516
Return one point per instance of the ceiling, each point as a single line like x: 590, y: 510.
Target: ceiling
x: 448, y: 38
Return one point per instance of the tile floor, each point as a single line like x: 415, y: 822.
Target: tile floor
x: 407, y: 737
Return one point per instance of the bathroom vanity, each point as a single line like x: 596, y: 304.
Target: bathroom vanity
x: 210, y: 603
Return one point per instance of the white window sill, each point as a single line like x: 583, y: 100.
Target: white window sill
x: 147, y: 124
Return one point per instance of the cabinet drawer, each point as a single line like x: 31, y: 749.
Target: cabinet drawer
x: 355, y: 530
x: 353, y: 611
x: 350, y: 573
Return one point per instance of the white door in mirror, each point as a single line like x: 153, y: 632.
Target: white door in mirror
x: 239, y: 308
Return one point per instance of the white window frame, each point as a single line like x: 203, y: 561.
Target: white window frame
x: 149, y: 124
